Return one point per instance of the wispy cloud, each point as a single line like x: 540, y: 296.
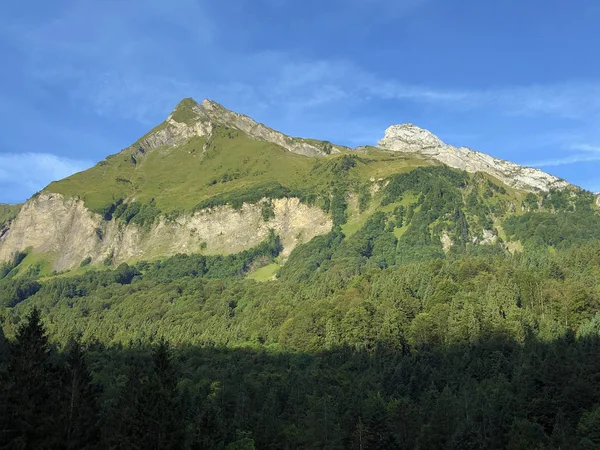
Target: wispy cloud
x: 555, y: 162
x: 579, y: 153
x: 586, y: 148
x: 300, y: 85
x: 25, y: 173
x: 140, y: 69
x: 115, y: 58
x: 573, y: 100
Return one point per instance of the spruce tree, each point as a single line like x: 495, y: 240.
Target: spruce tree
x: 80, y: 411
x: 29, y: 418
x: 148, y: 414
x: 164, y: 412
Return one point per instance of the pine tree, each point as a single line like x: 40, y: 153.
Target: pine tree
x: 378, y: 434
x: 126, y: 428
x: 562, y: 437
x: 29, y: 418
x: 164, y: 412
x: 80, y: 410
x: 148, y: 414
x: 210, y: 428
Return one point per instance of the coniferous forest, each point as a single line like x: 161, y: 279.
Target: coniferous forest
x: 371, y: 340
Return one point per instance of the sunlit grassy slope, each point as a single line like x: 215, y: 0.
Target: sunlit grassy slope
x: 265, y: 273
x: 178, y: 178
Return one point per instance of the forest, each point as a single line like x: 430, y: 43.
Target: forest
x: 376, y: 339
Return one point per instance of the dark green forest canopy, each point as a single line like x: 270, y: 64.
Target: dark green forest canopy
x: 381, y: 338
x: 384, y: 359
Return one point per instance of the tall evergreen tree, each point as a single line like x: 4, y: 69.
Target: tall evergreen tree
x: 29, y: 418
x: 79, y: 405
x: 165, y: 418
x: 148, y: 415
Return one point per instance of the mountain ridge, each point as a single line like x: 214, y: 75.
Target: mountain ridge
x: 190, y: 118
x: 410, y: 138
x: 207, y: 176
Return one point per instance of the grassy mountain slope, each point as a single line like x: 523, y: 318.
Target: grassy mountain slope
x: 181, y: 177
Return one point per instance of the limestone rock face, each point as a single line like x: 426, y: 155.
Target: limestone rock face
x: 412, y: 139
x: 203, y: 117
x: 409, y: 137
x: 67, y: 232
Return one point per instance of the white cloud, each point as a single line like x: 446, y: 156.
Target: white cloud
x: 586, y: 148
x: 308, y: 84
x: 26, y: 173
x: 582, y: 153
x: 155, y: 55
x: 565, y: 161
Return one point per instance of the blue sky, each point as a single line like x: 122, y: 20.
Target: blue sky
x: 83, y: 79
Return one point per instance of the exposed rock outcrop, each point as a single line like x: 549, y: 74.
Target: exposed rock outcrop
x: 200, y: 120
x: 67, y: 232
x: 412, y: 139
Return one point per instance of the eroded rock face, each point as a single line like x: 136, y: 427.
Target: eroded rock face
x: 67, y: 232
x: 208, y: 114
x: 412, y: 139
x: 409, y: 137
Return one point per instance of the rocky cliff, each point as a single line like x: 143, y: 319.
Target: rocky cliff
x: 412, y: 139
x: 66, y: 232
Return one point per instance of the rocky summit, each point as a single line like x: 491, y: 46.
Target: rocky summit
x: 191, y: 119
x: 412, y: 139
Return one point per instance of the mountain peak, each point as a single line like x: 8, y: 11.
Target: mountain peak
x: 187, y: 102
x: 412, y: 139
x: 189, y: 111
x: 190, y: 118
x: 408, y: 137
x: 186, y: 111
x: 211, y: 105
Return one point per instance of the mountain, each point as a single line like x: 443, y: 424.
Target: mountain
x: 214, y: 181
x: 412, y: 139
x: 190, y: 119
x: 218, y: 285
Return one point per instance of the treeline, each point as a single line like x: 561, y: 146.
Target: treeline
x: 333, y: 291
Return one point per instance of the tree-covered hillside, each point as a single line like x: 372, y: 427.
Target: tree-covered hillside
x: 442, y: 311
